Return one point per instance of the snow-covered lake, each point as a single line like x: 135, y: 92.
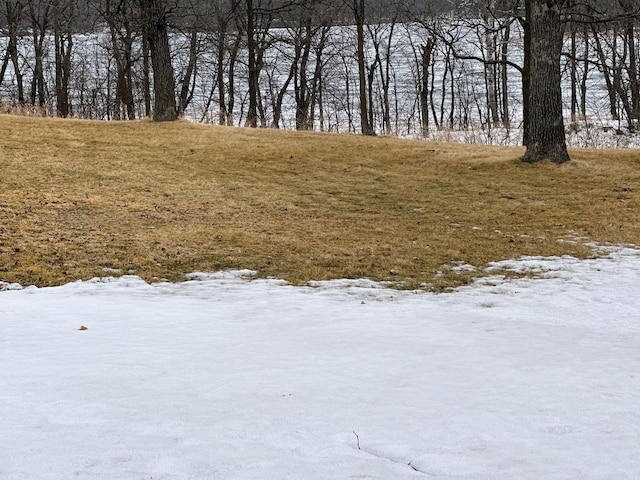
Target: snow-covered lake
x: 232, y: 378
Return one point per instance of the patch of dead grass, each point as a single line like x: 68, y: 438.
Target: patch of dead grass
x: 81, y: 199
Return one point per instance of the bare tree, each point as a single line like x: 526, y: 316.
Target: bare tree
x: 39, y: 12
x: 13, y: 12
x: 253, y: 65
x: 382, y: 37
x: 64, y: 13
x: 358, y: 10
x: 121, y: 17
x: 190, y: 74
x: 228, y: 32
x: 631, y: 11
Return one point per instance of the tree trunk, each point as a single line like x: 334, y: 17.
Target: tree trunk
x: 574, y: 76
x: 632, y: 69
x: 221, y: 50
x: 506, y: 117
x: 606, y: 73
x: 63, y: 16
x: 526, y: 83
x: 39, y: 27
x: 146, y: 83
x: 302, y: 92
x: 585, y: 76
x: 365, y: 125
x: 13, y: 11
x: 5, y: 63
x: 187, y: 88
x: 426, y: 58
x: 277, y: 104
x: 371, y: 71
x: 254, y: 74
x: 63, y: 44
x: 546, y: 124
x: 163, y: 82
x: 233, y: 58
x: 385, y: 80
x: 491, y: 71
x: 122, y: 43
x: 317, y: 82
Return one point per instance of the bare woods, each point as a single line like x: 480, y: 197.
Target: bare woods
x: 400, y: 67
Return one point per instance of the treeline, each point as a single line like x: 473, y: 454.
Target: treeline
x: 370, y: 66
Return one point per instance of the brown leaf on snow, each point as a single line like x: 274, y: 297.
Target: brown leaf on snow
x: 83, y: 328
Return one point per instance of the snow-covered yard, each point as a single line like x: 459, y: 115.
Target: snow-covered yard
x: 230, y: 378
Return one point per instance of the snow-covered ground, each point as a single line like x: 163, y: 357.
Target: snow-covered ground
x: 231, y: 378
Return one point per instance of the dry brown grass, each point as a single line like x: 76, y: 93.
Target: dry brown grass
x: 79, y: 198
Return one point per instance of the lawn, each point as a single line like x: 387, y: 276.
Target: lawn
x: 80, y: 199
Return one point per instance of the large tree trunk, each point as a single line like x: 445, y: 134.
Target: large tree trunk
x: 163, y: 82
x: 546, y: 124
x: 365, y: 124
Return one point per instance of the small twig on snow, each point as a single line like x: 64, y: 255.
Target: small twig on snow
x: 357, y: 439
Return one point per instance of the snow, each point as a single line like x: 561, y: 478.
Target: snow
x: 224, y: 376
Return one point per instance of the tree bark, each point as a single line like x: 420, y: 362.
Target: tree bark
x: 63, y: 44
x: 365, y: 125
x: 157, y: 35
x: 254, y: 74
x: 426, y: 59
x: 546, y: 138
x: 302, y: 92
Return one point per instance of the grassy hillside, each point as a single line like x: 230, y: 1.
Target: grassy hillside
x: 82, y: 199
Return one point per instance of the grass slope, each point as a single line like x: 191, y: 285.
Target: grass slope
x: 81, y: 199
